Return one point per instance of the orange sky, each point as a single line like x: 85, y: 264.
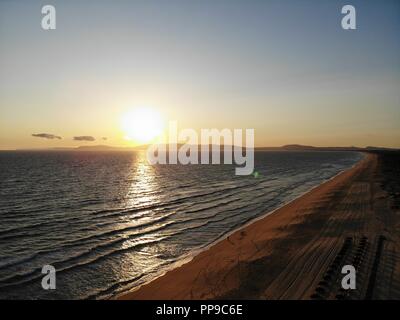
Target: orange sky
x: 258, y: 64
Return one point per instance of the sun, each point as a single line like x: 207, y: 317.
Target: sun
x: 142, y: 125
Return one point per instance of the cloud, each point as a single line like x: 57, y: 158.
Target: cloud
x: 104, y: 138
x: 84, y: 138
x: 46, y: 136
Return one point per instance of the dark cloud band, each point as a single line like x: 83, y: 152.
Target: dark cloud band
x: 84, y: 138
x: 46, y: 136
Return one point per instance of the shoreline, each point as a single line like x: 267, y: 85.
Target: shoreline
x: 190, y: 256
x: 174, y: 283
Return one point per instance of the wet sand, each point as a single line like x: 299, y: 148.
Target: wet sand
x: 298, y: 251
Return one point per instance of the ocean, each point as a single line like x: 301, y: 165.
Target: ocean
x: 109, y: 221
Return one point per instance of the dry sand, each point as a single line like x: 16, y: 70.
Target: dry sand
x: 298, y: 251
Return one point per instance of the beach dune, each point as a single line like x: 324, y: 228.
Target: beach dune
x: 298, y: 251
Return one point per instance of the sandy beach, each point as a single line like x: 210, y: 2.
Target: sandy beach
x: 298, y: 251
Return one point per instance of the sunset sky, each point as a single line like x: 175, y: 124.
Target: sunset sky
x: 285, y: 68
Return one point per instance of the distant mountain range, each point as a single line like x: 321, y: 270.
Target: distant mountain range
x: 97, y: 148
x: 289, y: 147
x: 298, y: 147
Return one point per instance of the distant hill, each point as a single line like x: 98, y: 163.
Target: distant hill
x: 288, y: 147
x: 297, y: 147
x: 378, y: 148
x: 87, y: 148
x: 96, y: 148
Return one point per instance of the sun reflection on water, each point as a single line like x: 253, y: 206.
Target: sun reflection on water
x: 144, y: 187
x: 143, y: 192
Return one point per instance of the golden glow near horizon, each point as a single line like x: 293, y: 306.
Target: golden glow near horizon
x: 142, y: 125
x: 293, y: 77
